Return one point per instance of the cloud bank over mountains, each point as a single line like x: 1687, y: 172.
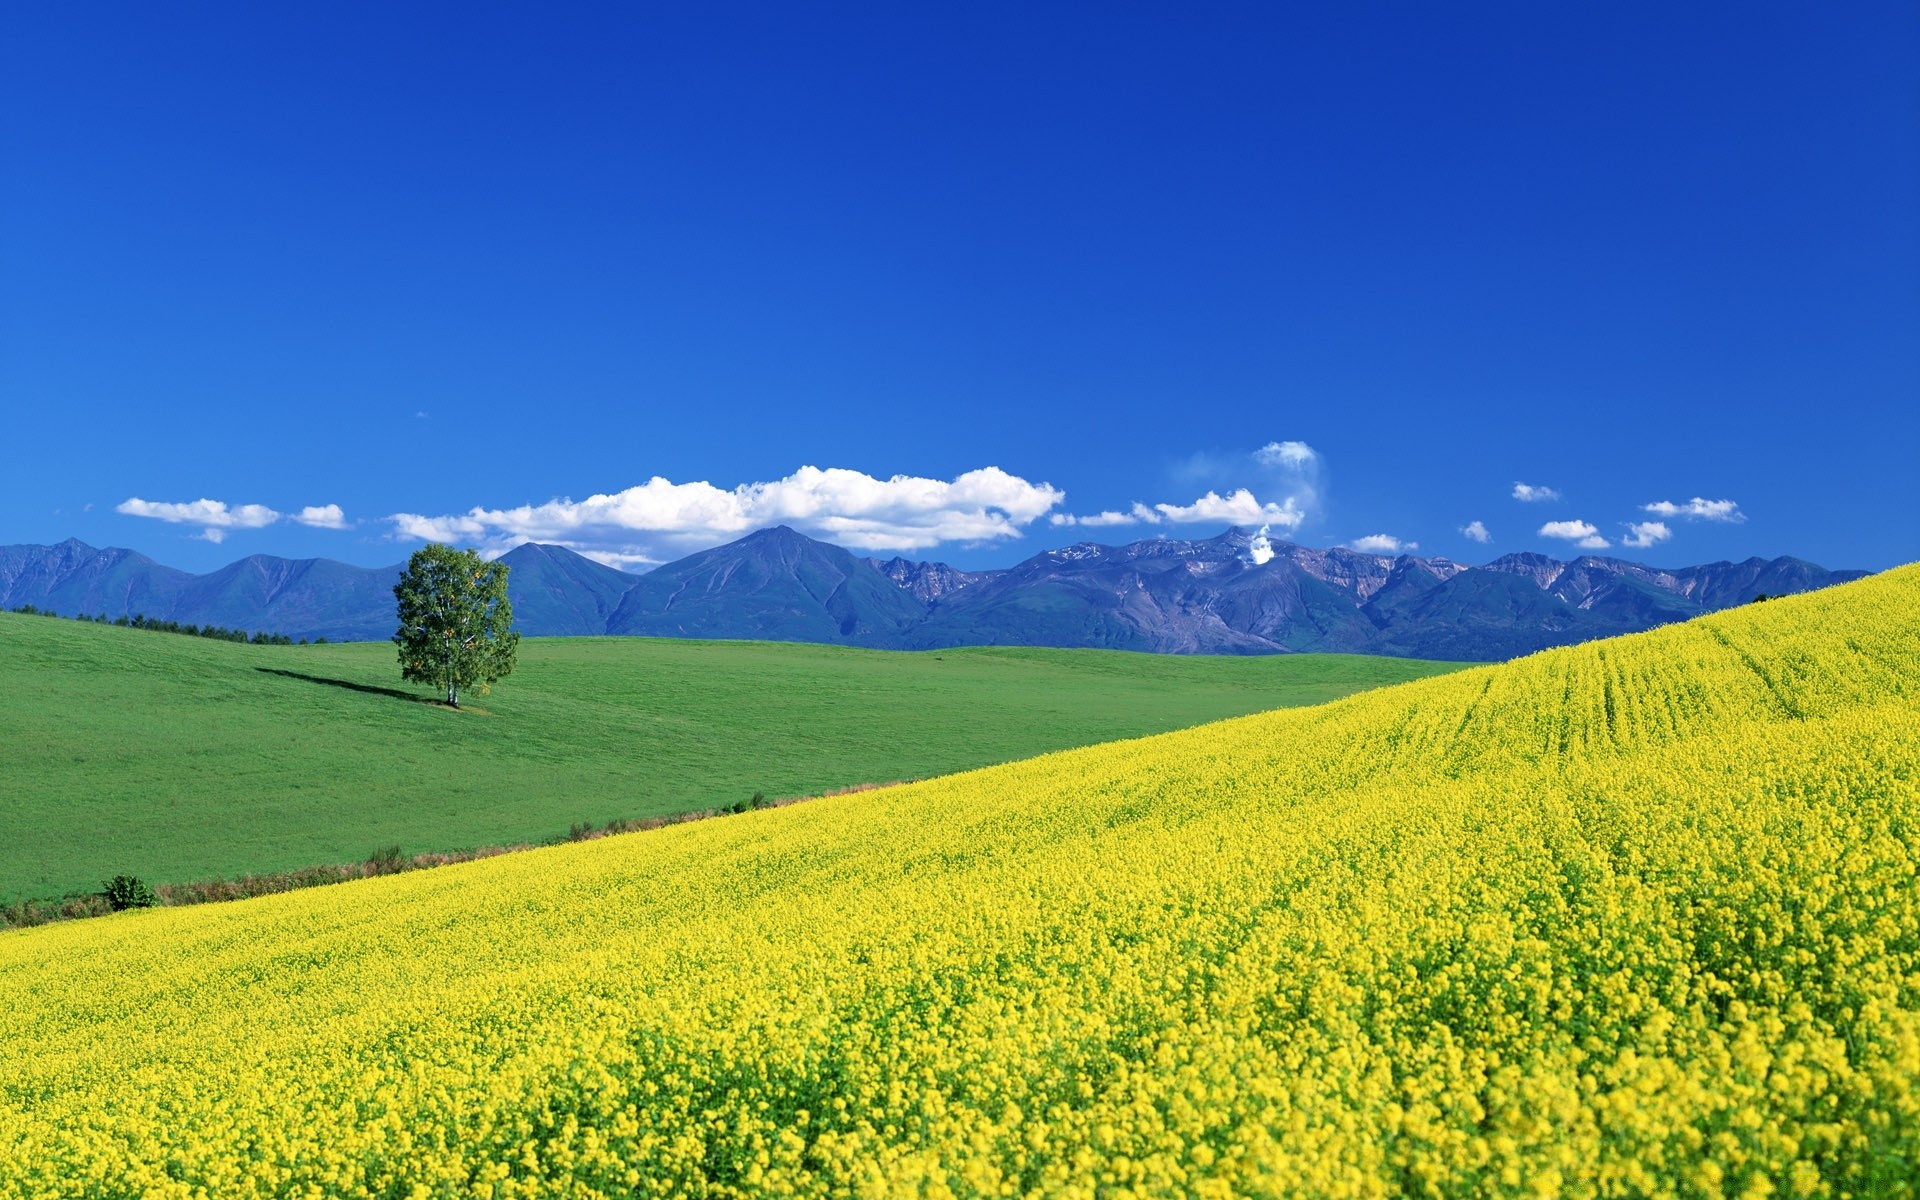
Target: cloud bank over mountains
x: 849, y: 508
x: 1278, y: 487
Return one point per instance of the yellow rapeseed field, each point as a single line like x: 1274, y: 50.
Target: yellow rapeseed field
x: 1635, y: 918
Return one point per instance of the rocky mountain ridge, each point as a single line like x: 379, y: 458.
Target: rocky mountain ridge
x: 1236, y: 593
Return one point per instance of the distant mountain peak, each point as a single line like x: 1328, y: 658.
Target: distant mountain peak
x: 780, y: 533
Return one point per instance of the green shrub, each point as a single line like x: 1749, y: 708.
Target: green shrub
x: 388, y: 860
x: 127, y: 891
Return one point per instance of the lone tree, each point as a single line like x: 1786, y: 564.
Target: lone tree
x: 455, y: 621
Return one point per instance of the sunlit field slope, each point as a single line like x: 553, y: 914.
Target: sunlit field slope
x: 176, y: 758
x: 1633, y: 918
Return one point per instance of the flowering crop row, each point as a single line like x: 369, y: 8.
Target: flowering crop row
x: 1635, y: 918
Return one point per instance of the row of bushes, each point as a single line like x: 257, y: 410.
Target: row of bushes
x: 127, y: 891
x: 142, y: 621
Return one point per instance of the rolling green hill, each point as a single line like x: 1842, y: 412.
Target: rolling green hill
x: 176, y: 758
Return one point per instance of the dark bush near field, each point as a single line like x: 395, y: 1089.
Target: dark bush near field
x: 388, y: 860
x: 127, y: 891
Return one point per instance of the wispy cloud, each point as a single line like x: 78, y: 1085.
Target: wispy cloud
x: 1382, y: 543
x: 1641, y: 534
x: 847, y: 507
x: 1581, y: 533
x: 1531, y: 494
x: 1139, y: 514
x: 1293, y: 455
x: 1476, y: 531
x: 1697, y: 509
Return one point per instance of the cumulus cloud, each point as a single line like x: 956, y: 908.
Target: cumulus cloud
x: 1383, y: 543
x: 1476, y: 531
x: 1582, y: 534
x: 322, y: 516
x: 1697, y: 509
x: 847, y: 507
x: 1531, y: 494
x: 1641, y: 534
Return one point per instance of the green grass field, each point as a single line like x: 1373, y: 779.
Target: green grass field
x: 176, y: 758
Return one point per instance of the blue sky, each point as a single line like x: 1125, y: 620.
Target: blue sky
x: 640, y: 278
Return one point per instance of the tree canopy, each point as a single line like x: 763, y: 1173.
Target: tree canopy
x: 455, y: 621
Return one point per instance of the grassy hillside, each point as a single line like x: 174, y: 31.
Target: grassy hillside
x: 175, y: 758
x: 1633, y: 918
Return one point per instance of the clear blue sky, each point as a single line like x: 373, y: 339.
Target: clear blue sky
x: 1376, y: 265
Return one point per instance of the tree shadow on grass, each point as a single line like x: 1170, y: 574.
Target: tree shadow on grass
x: 371, y: 690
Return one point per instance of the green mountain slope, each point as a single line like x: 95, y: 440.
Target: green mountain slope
x: 176, y: 758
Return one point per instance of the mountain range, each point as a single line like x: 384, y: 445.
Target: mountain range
x: 1237, y: 593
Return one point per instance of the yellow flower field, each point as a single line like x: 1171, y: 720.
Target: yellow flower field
x: 1635, y: 918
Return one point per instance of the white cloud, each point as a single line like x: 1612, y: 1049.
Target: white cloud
x: 1532, y: 494
x: 216, y: 518
x: 1139, y: 514
x: 213, y: 514
x: 321, y: 516
x: 1582, y: 534
x: 1382, y: 543
x: 1238, y: 507
x: 1476, y: 531
x: 850, y: 508
x: 1290, y: 471
x: 437, y: 529
x: 1568, y: 529
x: 1697, y: 509
x: 1286, y: 454
x: 1641, y: 534
x: 619, y: 560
